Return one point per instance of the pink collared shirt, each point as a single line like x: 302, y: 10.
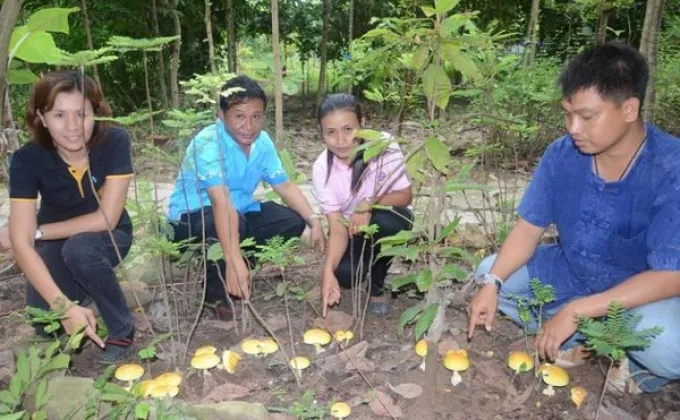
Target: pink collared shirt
x: 384, y: 174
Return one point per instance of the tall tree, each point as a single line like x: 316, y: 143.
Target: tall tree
x: 161, y: 56
x: 208, y: 31
x: 231, y: 42
x: 350, y: 37
x: 88, y: 34
x: 649, y: 46
x: 278, y: 72
x: 532, y: 33
x: 603, y: 12
x: 321, y: 92
x: 171, y: 5
x: 9, y: 13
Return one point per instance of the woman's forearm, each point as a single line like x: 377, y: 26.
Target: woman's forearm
x: 338, y: 239
x: 93, y: 222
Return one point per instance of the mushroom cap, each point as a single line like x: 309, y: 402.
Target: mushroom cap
x: 205, y: 361
x: 554, y: 375
x: 340, y: 410
x: 251, y: 346
x: 169, y: 378
x: 457, y: 360
x: 205, y: 350
x: 421, y: 348
x: 342, y: 335
x: 160, y: 391
x: 578, y: 395
x: 316, y: 336
x: 518, y: 358
x: 129, y: 372
x: 230, y: 360
x: 299, y: 363
x: 268, y: 346
x: 147, y: 386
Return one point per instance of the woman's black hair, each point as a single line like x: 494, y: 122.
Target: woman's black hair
x: 344, y: 102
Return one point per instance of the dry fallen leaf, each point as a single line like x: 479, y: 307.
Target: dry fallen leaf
x: 219, y: 325
x: 382, y: 405
x: 492, y: 374
x: 333, y: 360
x: 408, y: 390
x: 226, y: 392
x: 335, y: 320
x: 447, y: 345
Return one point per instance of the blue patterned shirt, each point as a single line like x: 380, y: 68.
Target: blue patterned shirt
x: 608, y: 231
x: 214, y: 158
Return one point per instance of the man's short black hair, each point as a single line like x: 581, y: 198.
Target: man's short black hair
x: 617, y: 72
x: 246, y: 88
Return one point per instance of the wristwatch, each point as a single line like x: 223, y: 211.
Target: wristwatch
x: 311, y: 218
x: 38, y: 234
x: 490, y: 279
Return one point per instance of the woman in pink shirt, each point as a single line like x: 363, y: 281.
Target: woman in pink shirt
x: 346, y: 191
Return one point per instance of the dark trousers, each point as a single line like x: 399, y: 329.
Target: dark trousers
x: 273, y: 219
x: 82, y: 266
x: 354, y: 264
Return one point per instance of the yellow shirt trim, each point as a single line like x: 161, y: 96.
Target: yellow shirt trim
x: 78, y: 176
x: 24, y: 200
x: 119, y: 176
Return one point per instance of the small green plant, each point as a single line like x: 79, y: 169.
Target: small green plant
x: 531, y: 309
x: 34, y: 364
x: 149, y: 352
x: 614, y: 336
x: 304, y: 408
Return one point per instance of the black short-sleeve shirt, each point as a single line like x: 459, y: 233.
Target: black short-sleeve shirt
x: 66, y: 192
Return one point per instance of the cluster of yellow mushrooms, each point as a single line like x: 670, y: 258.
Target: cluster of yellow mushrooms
x: 553, y: 376
x: 206, y: 358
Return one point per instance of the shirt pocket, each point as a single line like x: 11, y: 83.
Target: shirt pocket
x: 629, y: 253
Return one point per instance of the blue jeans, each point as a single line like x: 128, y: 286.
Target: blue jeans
x: 651, y: 368
x: 82, y: 267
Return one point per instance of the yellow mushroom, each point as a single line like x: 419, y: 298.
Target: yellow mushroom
x: 299, y: 364
x: 343, y: 335
x: 205, y: 361
x: 251, y: 346
x: 318, y: 338
x: 230, y: 360
x: 553, y: 376
x: 161, y: 391
x: 169, y: 378
x: 578, y: 395
x: 340, y: 410
x: 129, y: 373
x: 268, y: 346
x: 456, y: 361
x: 421, y: 350
x: 147, y: 386
x: 205, y: 350
x: 520, y: 361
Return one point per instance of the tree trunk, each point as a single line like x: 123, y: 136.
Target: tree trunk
x: 278, y: 73
x: 650, y: 37
x: 208, y: 31
x: 88, y: 34
x: 9, y: 13
x: 231, y: 42
x: 176, y: 46
x: 532, y: 34
x: 350, y: 37
x: 602, y: 22
x: 321, y: 92
x: 161, y: 57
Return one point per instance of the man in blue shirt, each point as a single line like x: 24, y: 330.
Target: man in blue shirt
x: 612, y: 188
x: 213, y: 194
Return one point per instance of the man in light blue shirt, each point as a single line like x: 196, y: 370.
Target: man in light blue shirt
x: 213, y: 194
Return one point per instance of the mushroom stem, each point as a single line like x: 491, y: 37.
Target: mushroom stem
x: 319, y: 348
x: 549, y: 391
x: 422, y: 365
x: 456, y: 378
x: 298, y: 373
